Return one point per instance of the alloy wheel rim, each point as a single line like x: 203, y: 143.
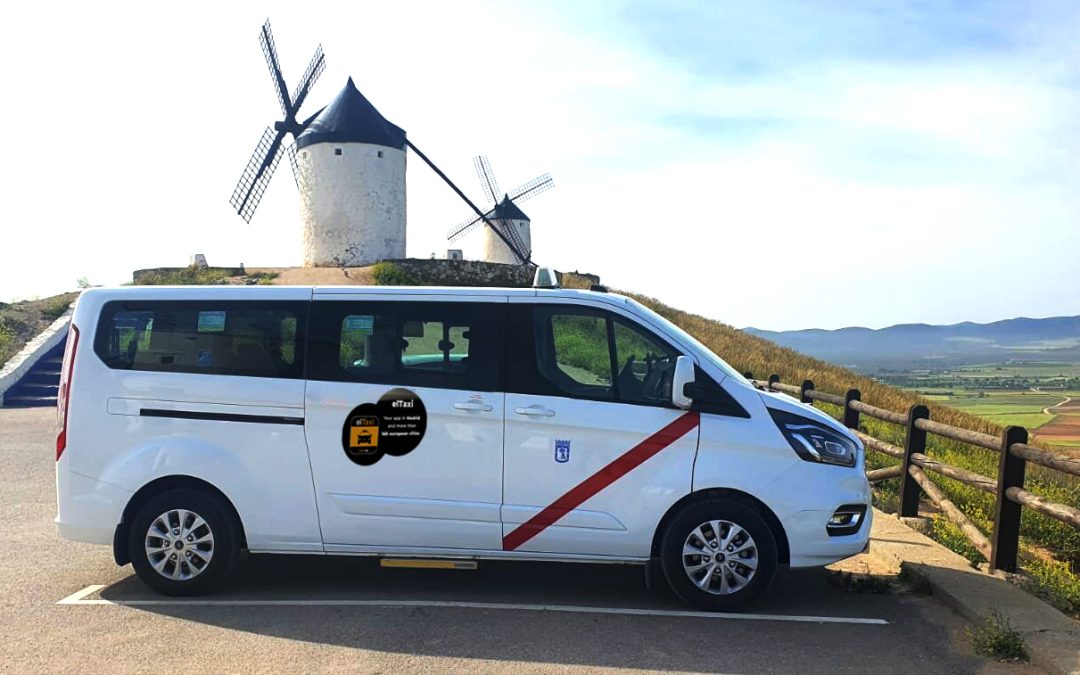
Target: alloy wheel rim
x: 179, y: 544
x: 720, y: 557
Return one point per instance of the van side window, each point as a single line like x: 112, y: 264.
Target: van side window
x: 592, y: 354
x: 364, y: 344
x: 576, y: 357
x: 646, y: 366
x: 452, y: 345
x: 253, y: 339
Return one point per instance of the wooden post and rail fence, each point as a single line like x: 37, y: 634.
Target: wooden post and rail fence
x: 1002, y: 547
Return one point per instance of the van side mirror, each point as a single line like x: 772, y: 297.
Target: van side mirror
x: 684, y: 375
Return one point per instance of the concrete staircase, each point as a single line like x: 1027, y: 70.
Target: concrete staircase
x: 39, y: 386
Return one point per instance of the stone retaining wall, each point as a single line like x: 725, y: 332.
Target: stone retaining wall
x: 440, y: 272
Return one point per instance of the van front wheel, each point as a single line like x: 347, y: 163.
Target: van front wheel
x: 718, y: 554
x: 182, y: 542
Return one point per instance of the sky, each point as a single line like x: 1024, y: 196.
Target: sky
x: 780, y: 165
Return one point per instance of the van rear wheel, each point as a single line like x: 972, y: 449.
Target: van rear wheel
x: 182, y: 542
x: 718, y: 554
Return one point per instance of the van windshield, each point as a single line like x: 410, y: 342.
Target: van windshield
x: 705, y: 351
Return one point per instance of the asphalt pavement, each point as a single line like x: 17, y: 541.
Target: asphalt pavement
x: 304, y: 613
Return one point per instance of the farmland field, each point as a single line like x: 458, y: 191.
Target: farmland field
x: 1043, y: 397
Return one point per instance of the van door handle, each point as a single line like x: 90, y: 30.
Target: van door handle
x: 535, y: 411
x: 473, y: 405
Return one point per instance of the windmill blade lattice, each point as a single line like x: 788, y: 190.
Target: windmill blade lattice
x: 511, y: 233
x: 487, y: 178
x: 260, y: 168
x: 532, y: 188
x: 266, y: 39
x: 291, y: 150
x: 463, y: 228
x: 314, y: 70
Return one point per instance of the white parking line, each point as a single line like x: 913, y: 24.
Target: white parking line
x: 80, y: 599
x: 76, y: 598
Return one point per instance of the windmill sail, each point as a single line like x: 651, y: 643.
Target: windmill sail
x: 266, y: 40
x: 260, y: 168
x: 532, y: 188
x: 487, y: 178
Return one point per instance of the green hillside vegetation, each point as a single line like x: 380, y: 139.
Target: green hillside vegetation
x: 1052, y: 548
x: 21, y: 321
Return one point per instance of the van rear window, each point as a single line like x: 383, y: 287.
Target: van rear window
x: 254, y: 339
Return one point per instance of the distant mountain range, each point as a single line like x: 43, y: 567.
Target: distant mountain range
x: 919, y: 345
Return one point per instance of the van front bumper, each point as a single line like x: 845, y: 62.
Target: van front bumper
x: 812, y: 545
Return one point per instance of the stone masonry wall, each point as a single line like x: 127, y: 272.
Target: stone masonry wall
x: 441, y: 272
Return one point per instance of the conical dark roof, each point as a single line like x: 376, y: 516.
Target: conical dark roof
x: 350, y: 118
x: 507, y: 210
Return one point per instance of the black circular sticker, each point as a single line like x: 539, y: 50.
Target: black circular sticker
x: 393, y: 426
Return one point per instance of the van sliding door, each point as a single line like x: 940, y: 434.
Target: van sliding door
x: 404, y: 421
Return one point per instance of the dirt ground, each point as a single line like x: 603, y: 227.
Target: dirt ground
x: 323, y: 276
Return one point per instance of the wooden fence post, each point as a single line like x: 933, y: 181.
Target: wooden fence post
x: 806, y: 386
x: 1005, y: 540
x: 773, y: 379
x: 915, y: 441
x: 851, y: 416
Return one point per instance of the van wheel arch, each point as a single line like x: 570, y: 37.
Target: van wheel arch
x: 157, y: 486
x: 783, y: 552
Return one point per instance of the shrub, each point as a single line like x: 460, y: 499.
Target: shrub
x: 7, y: 341
x: 187, y: 276
x: 390, y: 274
x: 997, y: 639
x: 56, y: 307
x: 1054, y: 582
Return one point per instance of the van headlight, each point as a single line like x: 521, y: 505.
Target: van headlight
x: 814, y: 441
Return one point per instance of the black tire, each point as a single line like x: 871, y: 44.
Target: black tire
x: 686, y: 522
x: 218, y: 517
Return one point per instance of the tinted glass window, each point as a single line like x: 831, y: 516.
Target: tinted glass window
x: 576, y: 356
x: 646, y: 365
x: 593, y: 354
x: 449, y: 345
x: 257, y: 339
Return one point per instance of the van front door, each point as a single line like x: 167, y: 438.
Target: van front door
x: 404, y: 421
x: 595, y: 452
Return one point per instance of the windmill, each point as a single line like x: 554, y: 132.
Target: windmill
x: 349, y: 165
x: 507, y: 239
x: 260, y: 168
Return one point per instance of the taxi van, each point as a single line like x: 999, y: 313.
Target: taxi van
x: 534, y: 424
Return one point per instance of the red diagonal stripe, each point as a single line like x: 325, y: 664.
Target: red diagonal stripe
x: 619, y: 467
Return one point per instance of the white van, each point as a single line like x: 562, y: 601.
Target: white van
x: 449, y: 423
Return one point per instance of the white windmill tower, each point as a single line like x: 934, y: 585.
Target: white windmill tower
x: 349, y: 164
x: 351, y: 172
x: 508, y: 239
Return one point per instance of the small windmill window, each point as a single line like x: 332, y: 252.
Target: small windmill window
x: 337, y: 151
x: 380, y: 154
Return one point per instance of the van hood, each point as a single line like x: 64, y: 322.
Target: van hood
x: 778, y: 401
